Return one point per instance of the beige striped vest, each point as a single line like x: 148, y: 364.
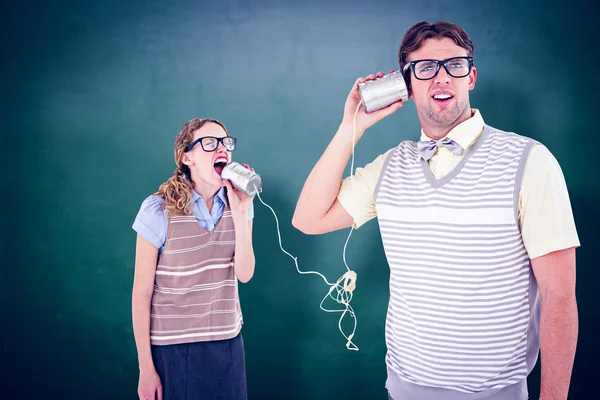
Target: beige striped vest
x: 195, y: 290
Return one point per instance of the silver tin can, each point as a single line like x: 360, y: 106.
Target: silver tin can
x: 242, y: 178
x: 382, y: 92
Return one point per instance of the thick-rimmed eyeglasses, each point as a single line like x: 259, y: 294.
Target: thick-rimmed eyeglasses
x: 210, y: 143
x: 457, y: 67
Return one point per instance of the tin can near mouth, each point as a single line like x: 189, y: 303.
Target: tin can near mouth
x: 242, y: 178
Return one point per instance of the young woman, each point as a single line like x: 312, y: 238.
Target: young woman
x: 194, y: 243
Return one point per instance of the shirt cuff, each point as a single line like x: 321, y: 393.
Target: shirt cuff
x: 346, y: 201
x: 146, y: 233
x: 560, y: 243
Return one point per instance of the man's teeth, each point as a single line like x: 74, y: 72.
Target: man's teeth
x: 442, y: 96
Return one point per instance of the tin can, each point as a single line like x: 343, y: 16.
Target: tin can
x: 242, y: 178
x: 382, y: 92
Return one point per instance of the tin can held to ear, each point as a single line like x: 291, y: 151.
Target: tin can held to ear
x: 242, y: 178
x: 382, y: 92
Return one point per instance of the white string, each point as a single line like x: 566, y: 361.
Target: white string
x: 343, y: 287
x: 346, y: 284
x: 280, y: 246
x: 351, y: 182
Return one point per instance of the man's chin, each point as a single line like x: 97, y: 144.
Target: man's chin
x: 444, y: 116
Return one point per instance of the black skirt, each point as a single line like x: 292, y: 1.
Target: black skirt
x: 214, y: 370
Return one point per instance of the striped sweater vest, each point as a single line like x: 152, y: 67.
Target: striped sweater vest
x: 196, y: 292
x: 464, y: 307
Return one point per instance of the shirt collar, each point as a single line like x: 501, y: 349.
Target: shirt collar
x: 219, y: 195
x: 465, y: 133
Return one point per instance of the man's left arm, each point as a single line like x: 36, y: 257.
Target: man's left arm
x: 555, y: 275
x: 549, y: 234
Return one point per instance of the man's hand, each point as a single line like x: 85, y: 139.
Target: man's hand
x: 365, y: 120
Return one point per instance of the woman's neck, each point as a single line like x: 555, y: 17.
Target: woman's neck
x: 207, y: 192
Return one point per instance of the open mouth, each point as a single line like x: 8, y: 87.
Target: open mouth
x: 442, y: 99
x: 219, y: 164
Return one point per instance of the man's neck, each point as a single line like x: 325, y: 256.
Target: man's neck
x: 437, y: 132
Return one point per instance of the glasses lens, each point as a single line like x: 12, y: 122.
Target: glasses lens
x: 229, y: 143
x: 458, y: 67
x: 209, y: 144
x: 425, y: 69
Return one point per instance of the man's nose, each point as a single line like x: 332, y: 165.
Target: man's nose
x: 442, y: 77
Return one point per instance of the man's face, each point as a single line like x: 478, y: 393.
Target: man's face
x: 443, y: 100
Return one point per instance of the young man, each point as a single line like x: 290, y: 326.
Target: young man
x: 478, y: 233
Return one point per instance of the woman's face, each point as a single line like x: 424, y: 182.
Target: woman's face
x: 206, y: 166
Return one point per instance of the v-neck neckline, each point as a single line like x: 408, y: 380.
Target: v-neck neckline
x: 225, y: 209
x: 438, y: 183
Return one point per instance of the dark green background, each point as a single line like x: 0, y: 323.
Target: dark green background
x: 94, y: 94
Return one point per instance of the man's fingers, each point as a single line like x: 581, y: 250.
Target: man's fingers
x: 384, y: 112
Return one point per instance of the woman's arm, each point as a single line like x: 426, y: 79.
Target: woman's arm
x: 239, y: 202
x: 243, y: 262
x: 146, y: 256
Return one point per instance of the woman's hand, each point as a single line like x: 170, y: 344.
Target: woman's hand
x: 149, y: 386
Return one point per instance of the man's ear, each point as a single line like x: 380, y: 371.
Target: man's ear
x: 472, y: 78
